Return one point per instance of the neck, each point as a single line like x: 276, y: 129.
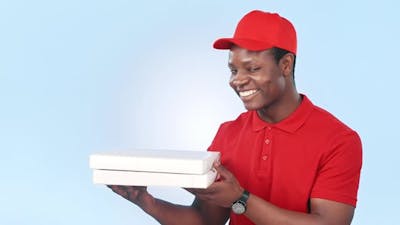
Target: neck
x: 280, y: 109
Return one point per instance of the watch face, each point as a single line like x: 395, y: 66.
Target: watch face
x: 238, y: 208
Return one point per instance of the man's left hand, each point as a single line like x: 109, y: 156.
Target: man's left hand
x: 224, y: 191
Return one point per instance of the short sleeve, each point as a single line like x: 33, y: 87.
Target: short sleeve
x: 339, y: 170
x: 216, y: 144
x: 219, y: 143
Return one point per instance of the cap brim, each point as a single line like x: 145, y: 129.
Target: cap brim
x: 227, y: 43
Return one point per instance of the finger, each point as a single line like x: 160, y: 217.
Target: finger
x: 135, y: 188
x: 132, y: 193
x: 191, y: 190
x: 120, y: 190
x: 196, y: 190
x: 112, y: 187
x: 115, y: 188
x: 205, y: 197
x: 223, y: 173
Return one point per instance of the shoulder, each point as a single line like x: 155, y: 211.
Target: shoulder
x: 229, y: 130
x: 327, y: 123
x: 337, y: 136
x: 327, y: 133
x: 242, y: 121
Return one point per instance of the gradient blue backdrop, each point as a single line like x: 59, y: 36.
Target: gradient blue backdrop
x: 77, y: 77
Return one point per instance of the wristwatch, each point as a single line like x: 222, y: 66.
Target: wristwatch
x: 239, y: 206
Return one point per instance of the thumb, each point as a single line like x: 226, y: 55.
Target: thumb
x: 223, y: 173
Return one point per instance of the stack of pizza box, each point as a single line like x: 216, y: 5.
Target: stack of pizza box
x: 179, y: 168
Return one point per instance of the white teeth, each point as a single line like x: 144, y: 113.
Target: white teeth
x: 246, y: 93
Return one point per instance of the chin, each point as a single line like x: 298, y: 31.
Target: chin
x: 251, y: 107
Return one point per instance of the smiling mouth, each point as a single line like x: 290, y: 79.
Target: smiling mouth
x: 247, y: 93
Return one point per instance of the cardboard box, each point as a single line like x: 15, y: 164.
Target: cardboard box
x: 134, y: 178
x: 190, y: 169
x: 165, y: 161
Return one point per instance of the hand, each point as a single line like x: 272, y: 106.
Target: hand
x: 136, y: 195
x: 224, y: 191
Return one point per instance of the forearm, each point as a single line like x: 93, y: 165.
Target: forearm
x: 171, y: 214
x: 262, y: 212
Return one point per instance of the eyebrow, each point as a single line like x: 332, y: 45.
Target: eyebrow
x: 244, y: 62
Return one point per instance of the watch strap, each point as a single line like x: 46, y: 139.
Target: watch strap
x: 245, y: 196
x: 240, y: 205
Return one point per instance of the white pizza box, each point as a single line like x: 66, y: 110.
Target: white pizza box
x: 164, y: 161
x: 133, y: 178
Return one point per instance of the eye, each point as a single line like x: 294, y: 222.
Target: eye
x: 233, y: 71
x: 254, y: 69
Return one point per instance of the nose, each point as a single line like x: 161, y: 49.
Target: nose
x: 239, y: 79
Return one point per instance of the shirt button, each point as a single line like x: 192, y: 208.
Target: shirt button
x: 265, y: 157
x: 267, y: 141
x: 269, y: 128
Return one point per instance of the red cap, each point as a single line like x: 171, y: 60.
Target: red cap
x: 259, y: 30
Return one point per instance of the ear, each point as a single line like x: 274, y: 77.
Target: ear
x: 286, y: 64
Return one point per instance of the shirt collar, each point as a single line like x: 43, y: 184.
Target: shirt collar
x: 290, y: 124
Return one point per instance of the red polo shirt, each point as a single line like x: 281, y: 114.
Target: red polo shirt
x: 310, y: 154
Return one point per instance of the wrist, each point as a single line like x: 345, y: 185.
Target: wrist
x: 240, y: 205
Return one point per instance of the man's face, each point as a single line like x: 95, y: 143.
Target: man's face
x: 256, y: 78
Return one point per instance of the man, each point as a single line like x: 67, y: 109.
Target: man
x: 285, y: 160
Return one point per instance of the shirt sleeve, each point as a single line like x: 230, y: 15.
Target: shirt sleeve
x: 217, y: 145
x: 339, y: 170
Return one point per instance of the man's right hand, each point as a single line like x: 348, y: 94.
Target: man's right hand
x: 135, y: 194
x: 200, y: 213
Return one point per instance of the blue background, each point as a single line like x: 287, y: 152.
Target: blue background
x: 77, y: 77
